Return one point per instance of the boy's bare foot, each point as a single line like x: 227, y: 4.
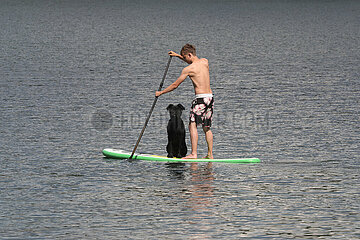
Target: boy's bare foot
x: 191, y: 156
x: 209, y: 157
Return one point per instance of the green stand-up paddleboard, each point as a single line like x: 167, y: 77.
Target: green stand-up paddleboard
x: 121, y: 154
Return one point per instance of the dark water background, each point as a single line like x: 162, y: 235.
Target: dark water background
x: 79, y: 76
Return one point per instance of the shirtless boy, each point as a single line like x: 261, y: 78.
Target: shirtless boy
x: 202, y: 106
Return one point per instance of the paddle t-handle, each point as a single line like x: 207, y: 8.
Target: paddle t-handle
x: 151, y: 110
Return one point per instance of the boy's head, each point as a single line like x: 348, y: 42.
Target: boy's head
x: 188, y: 48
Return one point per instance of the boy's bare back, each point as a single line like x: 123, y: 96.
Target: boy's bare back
x: 198, y: 71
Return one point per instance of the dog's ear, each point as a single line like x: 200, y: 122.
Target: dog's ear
x: 170, y: 106
x: 181, y: 106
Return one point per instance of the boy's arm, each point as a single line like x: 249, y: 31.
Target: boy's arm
x: 174, y: 54
x: 174, y: 85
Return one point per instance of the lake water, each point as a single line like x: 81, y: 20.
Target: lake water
x: 80, y: 76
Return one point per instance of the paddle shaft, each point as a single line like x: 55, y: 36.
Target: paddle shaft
x: 151, y: 110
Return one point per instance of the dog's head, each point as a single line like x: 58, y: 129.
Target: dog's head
x: 175, y: 110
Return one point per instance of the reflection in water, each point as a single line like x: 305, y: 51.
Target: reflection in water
x: 201, y: 188
x: 177, y: 170
x: 198, y: 194
x: 201, y: 199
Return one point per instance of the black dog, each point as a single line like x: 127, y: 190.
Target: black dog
x: 176, y: 132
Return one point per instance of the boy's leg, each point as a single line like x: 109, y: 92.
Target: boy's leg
x: 209, y: 141
x: 194, y: 140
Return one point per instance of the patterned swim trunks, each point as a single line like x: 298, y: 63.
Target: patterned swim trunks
x: 201, y: 111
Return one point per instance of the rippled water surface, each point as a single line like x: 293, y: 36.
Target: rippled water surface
x: 79, y: 76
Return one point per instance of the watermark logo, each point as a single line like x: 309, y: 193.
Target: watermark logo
x: 244, y: 120
x: 102, y: 120
x: 241, y: 120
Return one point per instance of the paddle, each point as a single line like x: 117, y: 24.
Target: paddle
x: 151, y: 110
